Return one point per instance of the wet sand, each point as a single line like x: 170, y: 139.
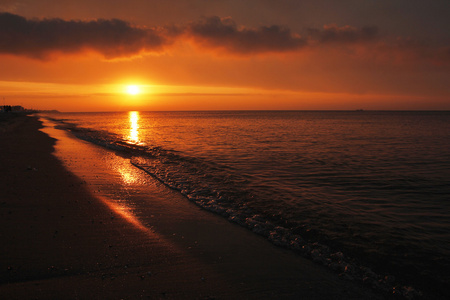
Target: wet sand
x: 63, y: 237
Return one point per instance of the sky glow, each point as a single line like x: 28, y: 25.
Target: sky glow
x: 278, y: 54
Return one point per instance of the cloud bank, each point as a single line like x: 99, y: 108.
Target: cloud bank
x: 117, y: 38
x: 40, y: 38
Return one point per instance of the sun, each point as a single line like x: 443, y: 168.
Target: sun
x: 133, y: 89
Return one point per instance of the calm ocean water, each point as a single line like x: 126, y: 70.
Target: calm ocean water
x: 365, y: 193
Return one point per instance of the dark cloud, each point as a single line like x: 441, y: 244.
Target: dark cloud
x: 39, y: 38
x: 116, y: 38
x: 346, y: 34
x: 224, y: 34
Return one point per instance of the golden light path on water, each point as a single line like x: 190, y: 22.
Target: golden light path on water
x: 134, y: 127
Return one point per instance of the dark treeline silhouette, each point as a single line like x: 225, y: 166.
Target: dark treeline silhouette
x: 9, y: 108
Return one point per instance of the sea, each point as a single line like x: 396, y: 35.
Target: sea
x: 364, y: 193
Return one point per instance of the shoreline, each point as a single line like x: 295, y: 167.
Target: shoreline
x: 60, y: 240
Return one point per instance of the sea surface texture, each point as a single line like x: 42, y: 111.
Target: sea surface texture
x: 364, y: 193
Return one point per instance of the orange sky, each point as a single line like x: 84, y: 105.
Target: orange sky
x: 200, y: 55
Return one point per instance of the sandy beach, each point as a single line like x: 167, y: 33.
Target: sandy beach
x: 60, y: 239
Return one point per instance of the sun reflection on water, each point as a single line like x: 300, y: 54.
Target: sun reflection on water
x: 134, y: 127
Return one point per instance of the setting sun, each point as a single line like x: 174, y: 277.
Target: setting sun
x: 133, y: 89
